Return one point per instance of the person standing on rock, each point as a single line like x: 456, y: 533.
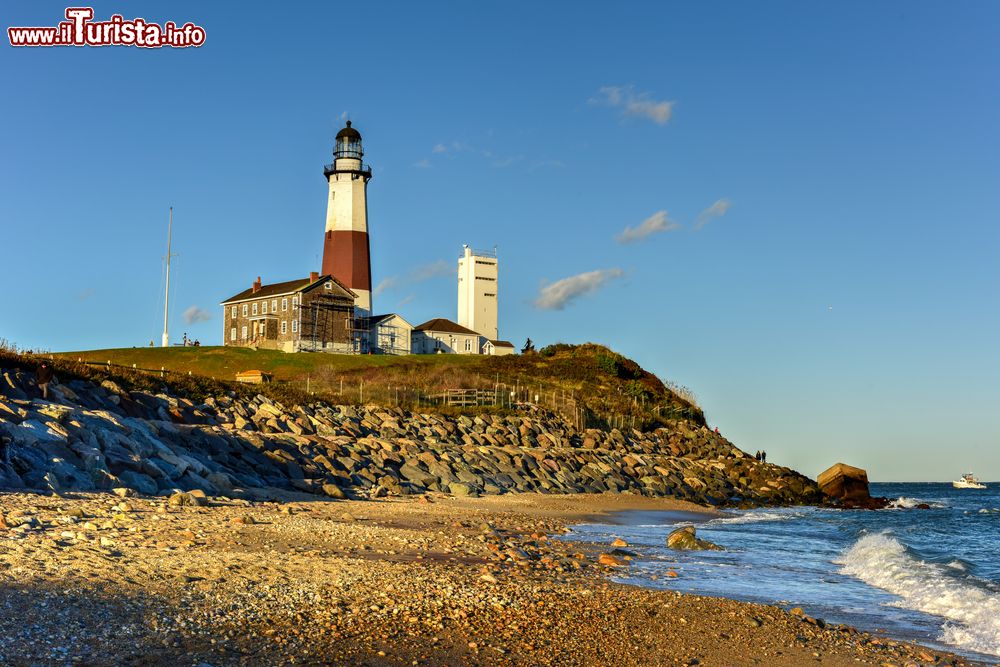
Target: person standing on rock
x: 43, y: 376
x: 763, y: 457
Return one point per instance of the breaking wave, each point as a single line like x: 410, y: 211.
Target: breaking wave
x: 972, y: 612
x: 752, y: 517
x: 905, y: 503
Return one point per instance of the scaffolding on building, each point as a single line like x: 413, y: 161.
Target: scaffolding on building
x: 326, y: 324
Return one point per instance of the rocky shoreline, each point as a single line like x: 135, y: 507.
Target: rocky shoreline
x: 100, y: 436
x: 425, y: 580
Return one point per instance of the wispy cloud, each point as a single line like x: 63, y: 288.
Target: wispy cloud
x: 432, y: 270
x: 405, y: 300
x: 560, y: 293
x: 417, y: 275
x: 716, y: 210
x: 194, y: 314
x: 654, y: 224
x: 85, y: 294
x: 635, y: 103
x: 453, y: 149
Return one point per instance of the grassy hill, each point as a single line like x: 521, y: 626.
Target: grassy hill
x: 604, y: 387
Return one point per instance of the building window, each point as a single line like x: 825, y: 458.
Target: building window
x: 328, y: 285
x: 284, y: 304
x: 284, y: 327
x: 244, y: 332
x: 295, y: 302
x: 244, y: 312
x: 468, y: 345
x: 263, y: 308
x: 232, y: 334
x: 274, y: 305
x: 295, y: 326
x: 254, y: 307
x: 234, y: 312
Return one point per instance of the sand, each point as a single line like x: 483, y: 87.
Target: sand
x: 432, y: 580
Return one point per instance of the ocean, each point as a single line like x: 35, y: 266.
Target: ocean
x: 929, y: 575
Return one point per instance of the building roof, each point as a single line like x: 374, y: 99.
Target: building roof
x: 446, y: 326
x: 287, y: 287
x: 502, y: 343
x: 251, y: 373
x: 375, y: 320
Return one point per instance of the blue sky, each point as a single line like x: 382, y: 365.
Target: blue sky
x: 840, y: 304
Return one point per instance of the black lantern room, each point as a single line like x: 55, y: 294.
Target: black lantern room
x: 348, y: 143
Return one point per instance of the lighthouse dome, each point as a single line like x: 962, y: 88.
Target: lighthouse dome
x: 348, y: 133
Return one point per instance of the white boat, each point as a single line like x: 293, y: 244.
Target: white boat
x: 968, y: 481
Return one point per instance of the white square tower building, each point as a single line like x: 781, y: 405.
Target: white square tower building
x: 477, y: 291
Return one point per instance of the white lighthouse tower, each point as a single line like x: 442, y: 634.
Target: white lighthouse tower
x: 477, y: 291
x: 346, y: 253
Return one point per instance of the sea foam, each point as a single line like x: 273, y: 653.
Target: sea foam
x: 752, y: 517
x: 972, y: 612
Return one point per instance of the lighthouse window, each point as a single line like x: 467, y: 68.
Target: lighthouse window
x: 488, y: 294
x: 485, y: 278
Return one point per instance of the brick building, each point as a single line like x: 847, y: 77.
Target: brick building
x: 310, y: 314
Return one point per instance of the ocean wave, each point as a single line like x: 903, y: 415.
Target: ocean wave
x: 752, y: 517
x: 905, y: 503
x: 971, y: 611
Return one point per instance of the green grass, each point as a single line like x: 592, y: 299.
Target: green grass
x: 609, y: 388
x: 223, y: 363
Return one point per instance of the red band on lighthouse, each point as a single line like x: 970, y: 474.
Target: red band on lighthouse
x: 346, y: 257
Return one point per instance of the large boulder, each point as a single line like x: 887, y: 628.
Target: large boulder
x: 843, y: 482
x: 848, y: 487
x: 685, y: 539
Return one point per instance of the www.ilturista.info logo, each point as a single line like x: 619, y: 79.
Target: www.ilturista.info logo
x: 81, y: 30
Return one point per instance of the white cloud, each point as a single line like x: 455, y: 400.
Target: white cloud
x: 439, y: 148
x: 654, y: 224
x: 385, y: 284
x: 194, y: 314
x: 432, y: 270
x: 422, y: 164
x: 633, y: 103
x: 558, y: 295
x: 716, y: 210
x: 417, y: 275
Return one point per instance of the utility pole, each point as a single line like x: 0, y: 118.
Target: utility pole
x: 166, y: 298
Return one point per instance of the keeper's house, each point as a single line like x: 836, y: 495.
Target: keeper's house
x: 314, y: 314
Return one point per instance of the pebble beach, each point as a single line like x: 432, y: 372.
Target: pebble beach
x: 101, y: 579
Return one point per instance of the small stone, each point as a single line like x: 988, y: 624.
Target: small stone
x: 610, y: 561
x: 123, y: 492
x: 619, y: 542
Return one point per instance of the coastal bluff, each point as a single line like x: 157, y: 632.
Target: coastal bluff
x: 98, y: 436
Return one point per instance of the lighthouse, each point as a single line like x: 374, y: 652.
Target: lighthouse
x: 346, y: 254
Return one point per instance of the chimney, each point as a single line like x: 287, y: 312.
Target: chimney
x: 256, y: 285
x: 313, y: 276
